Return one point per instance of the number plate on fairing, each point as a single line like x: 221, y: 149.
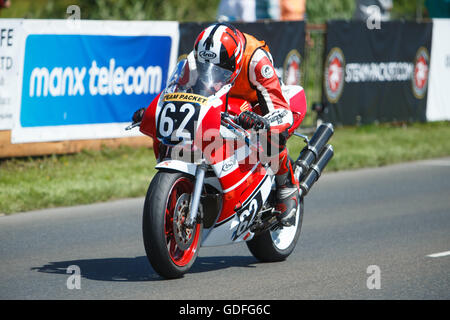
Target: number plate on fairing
x: 178, y: 117
x: 247, y: 214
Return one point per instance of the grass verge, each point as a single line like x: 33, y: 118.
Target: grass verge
x: 94, y: 176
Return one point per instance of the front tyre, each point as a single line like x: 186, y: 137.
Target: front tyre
x: 171, y: 248
x: 277, y: 245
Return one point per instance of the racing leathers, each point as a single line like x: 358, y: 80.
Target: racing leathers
x: 258, y: 83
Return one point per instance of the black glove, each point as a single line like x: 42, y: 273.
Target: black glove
x: 248, y: 119
x: 138, y: 115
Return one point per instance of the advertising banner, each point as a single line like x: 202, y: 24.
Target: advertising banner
x: 378, y: 74
x: 438, y: 104
x: 84, y: 79
x: 10, y: 46
x: 286, y: 41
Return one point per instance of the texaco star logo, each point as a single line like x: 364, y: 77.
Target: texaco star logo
x: 420, y: 77
x: 334, y: 75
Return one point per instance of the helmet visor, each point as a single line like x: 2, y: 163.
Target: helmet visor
x: 206, y: 80
x: 211, y: 77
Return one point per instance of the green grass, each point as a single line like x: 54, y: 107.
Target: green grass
x: 87, y: 177
x: 94, y: 176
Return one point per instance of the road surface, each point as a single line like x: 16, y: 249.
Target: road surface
x: 367, y: 234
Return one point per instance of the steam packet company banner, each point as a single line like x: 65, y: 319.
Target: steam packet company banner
x: 286, y: 41
x: 84, y: 79
x: 375, y: 75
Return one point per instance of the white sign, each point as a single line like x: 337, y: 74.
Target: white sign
x: 438, y: 101
x: 10, y: 45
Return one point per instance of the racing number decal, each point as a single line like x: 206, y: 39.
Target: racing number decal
x: 247, y: 214
x: 165, y: 122
x: 176, y: 121
x: 180, y: 133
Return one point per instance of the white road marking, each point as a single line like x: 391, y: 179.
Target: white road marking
x: 437, y: 162
x: 439, y: 254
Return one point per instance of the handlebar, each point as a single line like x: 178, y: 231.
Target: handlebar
x: 229, y: 121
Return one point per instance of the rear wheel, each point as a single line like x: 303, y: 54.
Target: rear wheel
x: 277, y: 245
x: 171, y: 248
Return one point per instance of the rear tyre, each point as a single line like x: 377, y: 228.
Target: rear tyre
x: 277, y: 245
x: 171, y: 249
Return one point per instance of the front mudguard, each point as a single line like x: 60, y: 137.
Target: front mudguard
x: 177, y: 165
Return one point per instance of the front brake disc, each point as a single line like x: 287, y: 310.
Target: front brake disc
x: 183, y: 235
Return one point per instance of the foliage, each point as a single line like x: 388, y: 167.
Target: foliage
x: 178, y: 10
x: 407, y: 9
x: 321, y: 11
x: 318, y: 11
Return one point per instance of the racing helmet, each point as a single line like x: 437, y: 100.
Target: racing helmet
x: 222, y: 45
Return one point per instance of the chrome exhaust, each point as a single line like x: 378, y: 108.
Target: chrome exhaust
x: 310, y: 153
x: 315, y: 170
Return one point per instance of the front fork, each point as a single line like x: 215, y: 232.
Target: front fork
x: 195, y: 198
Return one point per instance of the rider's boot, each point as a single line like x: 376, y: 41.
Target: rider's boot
x: 287, y: 196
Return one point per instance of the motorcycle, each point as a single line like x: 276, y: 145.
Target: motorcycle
x: 212, y: 187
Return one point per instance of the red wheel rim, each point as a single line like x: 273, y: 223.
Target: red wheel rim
x: 179, y: 257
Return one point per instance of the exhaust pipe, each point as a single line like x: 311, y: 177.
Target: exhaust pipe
x: 311, y: 152
x: 315, y: 170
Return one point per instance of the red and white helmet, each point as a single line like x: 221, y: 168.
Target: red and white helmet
x: 222, y: 45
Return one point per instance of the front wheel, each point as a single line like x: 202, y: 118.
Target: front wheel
x: 277, y: 245
x: 171, y: 248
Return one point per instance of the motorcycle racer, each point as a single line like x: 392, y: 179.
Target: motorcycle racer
x: 254, y: 79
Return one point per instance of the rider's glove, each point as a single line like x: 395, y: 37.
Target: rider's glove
x: 138, y: 115
x: 248, y: 119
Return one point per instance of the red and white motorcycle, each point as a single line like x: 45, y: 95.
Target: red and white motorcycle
x: 212, y: 187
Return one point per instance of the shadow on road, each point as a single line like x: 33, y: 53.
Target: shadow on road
x: 138, y: 268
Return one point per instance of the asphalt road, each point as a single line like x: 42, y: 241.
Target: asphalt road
x: 391, y: 217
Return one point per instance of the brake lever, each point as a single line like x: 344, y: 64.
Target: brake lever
x: 226, y: 116
x: 131, y: 126
x: 229, y: 120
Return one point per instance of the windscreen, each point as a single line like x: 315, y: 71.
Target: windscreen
x: 204, y: 79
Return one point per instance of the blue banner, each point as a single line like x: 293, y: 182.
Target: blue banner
x: 90, y: 79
